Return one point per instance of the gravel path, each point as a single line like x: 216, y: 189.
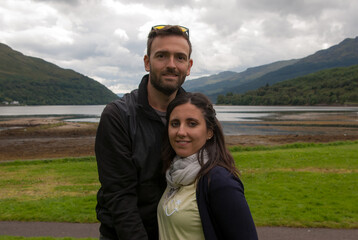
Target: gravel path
x: 78, y: 230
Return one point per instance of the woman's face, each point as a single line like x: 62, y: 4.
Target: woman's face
x: 187, y: 130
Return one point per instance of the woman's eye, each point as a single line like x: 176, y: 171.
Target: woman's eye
x: 174, y: 124
x: 192, y: 124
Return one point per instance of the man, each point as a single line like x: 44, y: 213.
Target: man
x: 129, y: 137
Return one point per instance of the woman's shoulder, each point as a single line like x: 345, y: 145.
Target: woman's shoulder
x: 219, y: 176
x: 220, y: 172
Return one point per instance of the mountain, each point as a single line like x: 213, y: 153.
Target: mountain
x: 216, y: 84
x: 341, y: 55
x: 33, y: 81
x: 335, y: 86
x: 209, y: 81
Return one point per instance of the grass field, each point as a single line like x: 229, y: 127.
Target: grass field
x: 42, y: 238
x: 310, y: 185
x: 315, y: 186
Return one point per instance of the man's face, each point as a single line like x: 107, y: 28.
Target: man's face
x: 168, y: 64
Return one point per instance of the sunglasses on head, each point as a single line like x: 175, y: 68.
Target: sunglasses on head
x: 184, y: 29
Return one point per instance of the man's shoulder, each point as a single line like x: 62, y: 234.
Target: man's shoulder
x: 127, y: 100
x: 122, y: 105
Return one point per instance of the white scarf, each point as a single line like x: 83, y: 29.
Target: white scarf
x: 182, y: 172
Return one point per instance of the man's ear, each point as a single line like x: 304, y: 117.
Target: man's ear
x: 146, y: 63
x: 189, y: 67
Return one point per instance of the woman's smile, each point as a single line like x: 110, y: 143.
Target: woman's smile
x: 187, y: 130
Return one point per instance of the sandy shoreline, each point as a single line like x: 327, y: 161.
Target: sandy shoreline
x: 43, y: 138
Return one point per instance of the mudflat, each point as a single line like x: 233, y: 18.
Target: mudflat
x: 47, y: 138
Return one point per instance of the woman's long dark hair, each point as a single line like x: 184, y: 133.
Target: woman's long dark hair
x: 215, y: 147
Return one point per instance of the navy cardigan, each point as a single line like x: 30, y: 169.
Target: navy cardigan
x: 223, y: 209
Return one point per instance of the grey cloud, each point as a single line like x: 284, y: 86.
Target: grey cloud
x: 63, y: 2
x: 229, y: 16
x: 277, y: 27
x: 226, y: 35
x: 295, y: 7
x: 160, y: 3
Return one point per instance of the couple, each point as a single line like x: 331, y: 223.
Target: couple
x: 185, y: 187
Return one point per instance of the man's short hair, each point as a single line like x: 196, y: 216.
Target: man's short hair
x: 167, y: 30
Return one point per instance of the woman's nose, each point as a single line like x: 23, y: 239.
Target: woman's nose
x: 181, y: 131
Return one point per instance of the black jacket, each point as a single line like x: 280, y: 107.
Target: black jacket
x: 128, y: 148
x: 223, y: 209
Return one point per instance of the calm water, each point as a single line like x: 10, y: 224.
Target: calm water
x: 92, y: 113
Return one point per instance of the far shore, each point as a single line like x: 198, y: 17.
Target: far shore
x: 50, y: 137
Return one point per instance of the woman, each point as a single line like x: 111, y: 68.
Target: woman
x: 204, y: 198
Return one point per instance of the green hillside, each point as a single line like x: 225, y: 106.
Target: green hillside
x: 224, y: 81
x: 343, y: 54
x: 191, y: 85
x: 335, y: 86
x: 33, y: 81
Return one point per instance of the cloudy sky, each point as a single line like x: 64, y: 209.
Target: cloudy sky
x: 106, y: 39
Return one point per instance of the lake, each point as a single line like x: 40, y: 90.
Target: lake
x: 92, y: 113
x: 235, y: 119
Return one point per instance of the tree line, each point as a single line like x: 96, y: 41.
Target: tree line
x: 337, y: 86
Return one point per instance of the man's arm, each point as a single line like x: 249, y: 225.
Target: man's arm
x: 118, y: 174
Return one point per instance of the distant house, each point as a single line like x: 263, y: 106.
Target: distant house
x: 10, y: 103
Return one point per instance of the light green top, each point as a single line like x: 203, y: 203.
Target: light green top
x: 179, y: 217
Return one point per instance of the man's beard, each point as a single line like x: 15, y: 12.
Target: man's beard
x: 166, y: 89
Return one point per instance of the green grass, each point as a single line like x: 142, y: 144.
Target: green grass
x: 42, y: 238
x: 288, y: 146
x: 303, y: 199
x: 320, y: 156
x: 313, y: 186
x: 56, y: 190
x: 301, y: 185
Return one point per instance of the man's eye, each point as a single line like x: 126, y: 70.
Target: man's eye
x: 182, y: 58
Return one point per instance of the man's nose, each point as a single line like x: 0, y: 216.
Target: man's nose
x: 171, y: 62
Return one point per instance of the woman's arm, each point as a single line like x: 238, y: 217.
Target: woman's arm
x: 229, y: 209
